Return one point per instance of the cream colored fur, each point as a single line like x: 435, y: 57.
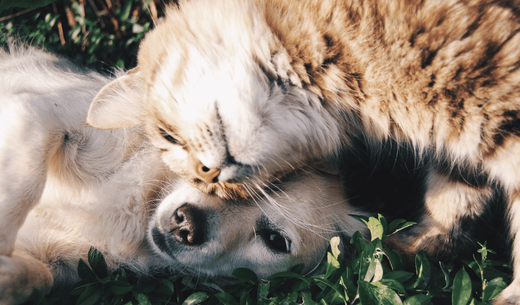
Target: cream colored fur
x: 264, y: 86
x: 66, y: 187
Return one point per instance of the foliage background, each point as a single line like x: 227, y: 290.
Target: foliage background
x: 103, y: 34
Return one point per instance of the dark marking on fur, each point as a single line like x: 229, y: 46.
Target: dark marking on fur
x: 511, y: 123
x: 510, y: 126
x: 328, y: 41
x: 413, y: 37
x: 308, y: 68
x: 463, y: 172
x: 472, y: 27
x: 433, y: 101
x: 428, y: 57
x: 432, y: 81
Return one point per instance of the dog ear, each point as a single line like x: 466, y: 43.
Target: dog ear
x: 119, y: 104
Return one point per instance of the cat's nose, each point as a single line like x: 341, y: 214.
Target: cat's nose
x: 199, y: 170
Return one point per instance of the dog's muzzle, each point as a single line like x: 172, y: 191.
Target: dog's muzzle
x: 186, y: 227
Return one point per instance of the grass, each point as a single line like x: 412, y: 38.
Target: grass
x: 104, y: 34
x: 100, y: 34
x: 373, y: 275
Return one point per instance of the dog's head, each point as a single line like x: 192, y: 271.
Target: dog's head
x: 291, y: 224
x: 219, y: 98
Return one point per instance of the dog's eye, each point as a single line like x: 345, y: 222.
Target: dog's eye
x: 168, y: 137
x: 275, y: 241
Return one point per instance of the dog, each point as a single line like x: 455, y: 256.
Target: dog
x: 66, y: 186
x: 261, y: 87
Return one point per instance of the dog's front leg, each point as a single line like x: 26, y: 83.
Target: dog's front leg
x: 21, y: 187
x: 20, y: 275
x: 24, y: 152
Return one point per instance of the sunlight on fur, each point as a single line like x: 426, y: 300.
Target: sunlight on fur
x: 74, y: 186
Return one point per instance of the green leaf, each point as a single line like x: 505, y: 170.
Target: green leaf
x: 399, y: 275
x: 165, y: 287
x: 391, y: 283
x: 423, y: 271
x: 333, y: 286
x: 292, y: 275
x: 334, y: 246
x: 377, y: 294
x: 145, y: 285
x: 143, y: 299
x: 461, y: 288
x: 362, y: 218
x: 226, y: 298
x: 348, y: 280
x: 385, y: 295
x: 90, y: 296
x: 263, y: 291
x: 395, y: 260
x: 213, y: 286
x: 398, y: 225
x: 359, y: 241
x: 245, y: 275
x: 125, y: 13
x: 446, y: 273
x: 196, y: 298
x: 85, y: 272
x: 493, y: 288
x: 419, y: 299
x: 245, y: 298
x: 332, y: 265
x: 306, y: 297
x: 120, y: 287
x: 376, y: 228
x: 370, y: 268
x: 97, y: 263
x: 81, y: 286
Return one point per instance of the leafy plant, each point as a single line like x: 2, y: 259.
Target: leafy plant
x: 101, y: 34
x: 373, y: 275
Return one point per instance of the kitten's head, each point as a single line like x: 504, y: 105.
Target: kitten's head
x: 218, y: 97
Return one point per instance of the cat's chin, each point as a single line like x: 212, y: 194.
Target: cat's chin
x: 254, y: 186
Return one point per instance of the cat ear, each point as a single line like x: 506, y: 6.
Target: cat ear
x: 119, y: 104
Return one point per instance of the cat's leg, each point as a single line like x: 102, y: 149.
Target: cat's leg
x: 20, y: 275
x: 511, y: 295
x: 450, y: 208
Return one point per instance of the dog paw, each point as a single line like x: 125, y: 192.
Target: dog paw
x: 20, y: 276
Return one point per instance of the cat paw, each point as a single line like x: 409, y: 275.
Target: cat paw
x: 509, y: 296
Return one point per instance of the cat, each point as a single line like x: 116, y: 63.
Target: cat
x: 66, y: 187
x: 265, y: 86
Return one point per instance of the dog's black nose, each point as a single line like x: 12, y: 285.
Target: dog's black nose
x: 188, y: 225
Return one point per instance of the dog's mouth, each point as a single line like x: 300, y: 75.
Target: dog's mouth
x: 160, y: 241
